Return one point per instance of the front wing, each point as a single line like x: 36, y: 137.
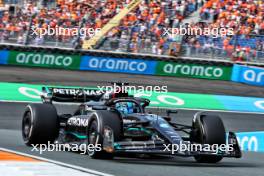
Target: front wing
x: 159, y: 147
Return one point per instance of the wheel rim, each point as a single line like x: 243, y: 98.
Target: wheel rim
x: 26, y: 125
x: 92, y: 136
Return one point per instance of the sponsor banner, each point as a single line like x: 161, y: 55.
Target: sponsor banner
x: 3, y: 57
x: 251, y: 141
x: 249, y: 75
x: 44, y: 60
x: 193, y: 70
x: 108, y: 64
x: 31, y: 93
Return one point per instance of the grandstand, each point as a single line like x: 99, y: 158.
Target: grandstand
x: 245, y: 17
x: 141, y: 30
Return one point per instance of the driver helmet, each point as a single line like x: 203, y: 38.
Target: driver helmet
x: 125, y: 107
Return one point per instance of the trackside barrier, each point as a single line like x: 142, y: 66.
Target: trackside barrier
x: 177, y: 68
x: 206, y: 71
x: 3, y: 57
x: 138, y: 66
x: 112, y: 64
x: 108, y: 64
x: 39, y: 59
x: 251, y: 141
x: 248, y: 75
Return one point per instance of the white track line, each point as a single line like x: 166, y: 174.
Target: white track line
x: 58, y: 163
x: 153, y: 107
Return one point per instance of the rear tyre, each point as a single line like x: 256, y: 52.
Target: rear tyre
x: 209, y: 130
x: 40, y: 124
x: 95, y: 131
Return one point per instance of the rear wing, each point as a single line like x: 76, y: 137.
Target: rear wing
x: 77, y: 95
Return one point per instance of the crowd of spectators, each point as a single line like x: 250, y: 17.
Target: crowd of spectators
x: 65, y: 14
x: 244, y: 17
x: 142, y: 28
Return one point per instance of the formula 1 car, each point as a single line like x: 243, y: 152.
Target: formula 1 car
x: 118, y: 123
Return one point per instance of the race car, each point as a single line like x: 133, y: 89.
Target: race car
x: 119, y: 123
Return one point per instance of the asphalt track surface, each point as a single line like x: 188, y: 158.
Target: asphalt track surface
x: 251, y: 163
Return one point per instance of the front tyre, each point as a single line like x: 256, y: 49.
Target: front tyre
x: 98, y: 122
x: 209, y: 129
x: 40, y: 124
